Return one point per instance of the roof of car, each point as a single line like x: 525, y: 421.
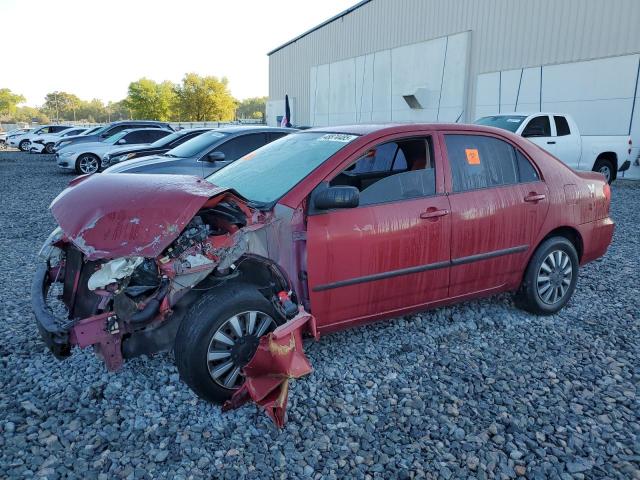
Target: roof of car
x: 127, y: 130
x: 365, y: 129
x: 521, y: 114
x: 140, y: 122
x: 252, y: 128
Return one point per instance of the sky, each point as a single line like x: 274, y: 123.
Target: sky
x: 94, y: 49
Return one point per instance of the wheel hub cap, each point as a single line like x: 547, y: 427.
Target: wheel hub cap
x: 244, y: 349
x: 554, y: 277
x: 233, y: 345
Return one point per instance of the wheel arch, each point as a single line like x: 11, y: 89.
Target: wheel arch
x: 611, y: 157
x: 570, y: 233
x: 263, y: 272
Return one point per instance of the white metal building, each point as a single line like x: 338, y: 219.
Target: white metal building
x: 457, y: 60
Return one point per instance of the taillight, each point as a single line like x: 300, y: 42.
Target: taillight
x: 607, y: 192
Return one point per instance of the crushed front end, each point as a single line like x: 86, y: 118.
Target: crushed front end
x: 124, y: 306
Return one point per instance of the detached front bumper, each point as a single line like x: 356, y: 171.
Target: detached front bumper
x: 53, y: 331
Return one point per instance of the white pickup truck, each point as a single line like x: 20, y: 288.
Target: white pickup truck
x: 558, y: 134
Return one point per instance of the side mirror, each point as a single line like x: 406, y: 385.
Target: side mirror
x: 122, y: 141
x: 215, y: 157
x: 336, y: 197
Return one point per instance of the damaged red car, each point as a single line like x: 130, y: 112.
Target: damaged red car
x: 340, y: 226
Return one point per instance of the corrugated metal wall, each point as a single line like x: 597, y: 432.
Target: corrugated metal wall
x: 505, y: 34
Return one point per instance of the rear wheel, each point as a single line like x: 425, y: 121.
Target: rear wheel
x: 87, y: 163
x: 606, y: 168
x: 218, y: 336
x: 550, y: 278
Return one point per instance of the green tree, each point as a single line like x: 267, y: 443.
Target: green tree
x: 150, y: 100
x: 255, y: 107
x: 9, y: 101
x: 118, y: 111
x: 204, y: 99
x: 28, y: 115
x: 62, y: 105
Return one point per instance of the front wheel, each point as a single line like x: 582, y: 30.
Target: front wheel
x: 48, y: 148
x: 218, y: 336
x: 87, y: 163
x: 24, y: 145
x: 550, y: 278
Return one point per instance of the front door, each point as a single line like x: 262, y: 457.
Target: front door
x: 498, y: 205
x: 390, y: 253
x: 538, y: 131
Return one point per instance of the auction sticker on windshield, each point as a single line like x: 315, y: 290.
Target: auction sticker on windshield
x: 337, y: 137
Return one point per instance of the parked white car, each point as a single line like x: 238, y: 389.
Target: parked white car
x: 87, y: 157
x: 45, y: 143
x: 23, y: 142
x: 15, y: 133
x: 559, y: 135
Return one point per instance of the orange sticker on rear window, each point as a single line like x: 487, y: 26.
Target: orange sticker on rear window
x: 473, y: 158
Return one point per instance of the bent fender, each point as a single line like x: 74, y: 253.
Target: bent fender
x: 279, y: 358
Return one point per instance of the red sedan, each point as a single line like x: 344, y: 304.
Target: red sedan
x: 335, y: 226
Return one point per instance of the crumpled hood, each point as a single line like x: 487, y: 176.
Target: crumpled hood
x: 112, y: 216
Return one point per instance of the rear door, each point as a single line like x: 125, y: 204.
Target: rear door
x: 538, y: 131
x: 389, y: 254
x: 498, y: 204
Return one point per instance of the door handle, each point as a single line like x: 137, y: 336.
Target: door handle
x: 534, y: 197
x: 551, y: 143
x: 433, y: 213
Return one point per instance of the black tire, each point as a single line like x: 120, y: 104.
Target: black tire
x: 607, y: 168
x: 203, y: 320
x: 48, y: 148
x: 87, y: 156
x: 529, y: 297
x: 23, y: 145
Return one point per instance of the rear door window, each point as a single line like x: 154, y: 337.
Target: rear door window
x: 478, y: 161
x: 153, y: 135
x: 562, y: 126
x: 239, y: 146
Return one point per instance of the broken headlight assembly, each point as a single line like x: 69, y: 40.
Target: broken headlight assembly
x: 48, y: 247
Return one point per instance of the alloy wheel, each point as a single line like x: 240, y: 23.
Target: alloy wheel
x: 233, y: 345
x: 49, y: 148
x: 554, y: 277
x: 88, y: 164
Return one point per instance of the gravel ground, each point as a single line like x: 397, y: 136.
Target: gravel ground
x: 478, y: 390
